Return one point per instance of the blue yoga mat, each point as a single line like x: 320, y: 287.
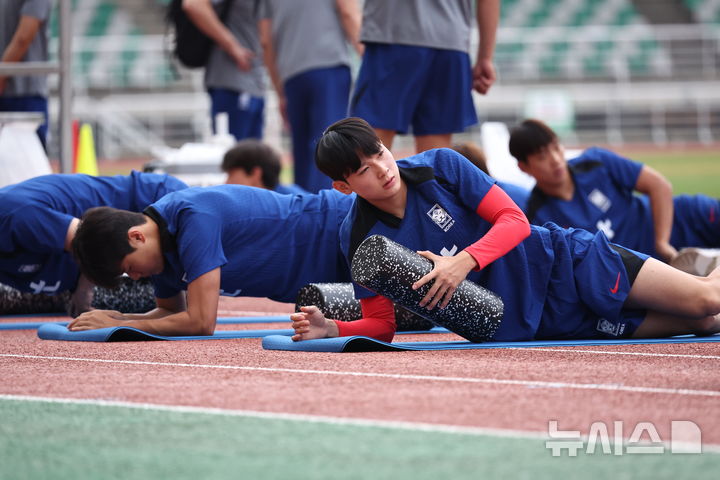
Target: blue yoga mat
x: 366, y: 344
x: 59, y: 331
x: 27, y: 325
x: 220, y: 321
x: 129, y: 334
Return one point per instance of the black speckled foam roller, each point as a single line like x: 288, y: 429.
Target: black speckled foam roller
x: 337, y: 301
x: 389, y: 269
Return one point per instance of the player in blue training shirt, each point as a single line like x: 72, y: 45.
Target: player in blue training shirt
x: 229, y: 239
x: 38, y: 221
x: 596, y: 192
x: 474, y: 153
x: 555, y: 283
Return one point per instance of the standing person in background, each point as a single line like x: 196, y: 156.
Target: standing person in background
x: 234, y: 72
x: 24, y: 38
x: 306, y: 55
x: 416, y: 69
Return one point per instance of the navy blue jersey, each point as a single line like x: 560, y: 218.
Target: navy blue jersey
x: 290, y: 189
x: 35, y: 216
x: 518, y: 194
x: 605, y: 201
x: 266, y: 244
x: 537, y: 279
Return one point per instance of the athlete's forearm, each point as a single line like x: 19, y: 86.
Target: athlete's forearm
x: 181, y: 323
x: 206, y: 20
x: 659, y: 191
x: 269, y: 56
x: 351, y: 19
x: 488, y: 18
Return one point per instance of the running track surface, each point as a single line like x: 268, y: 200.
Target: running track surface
x: 519, y: 390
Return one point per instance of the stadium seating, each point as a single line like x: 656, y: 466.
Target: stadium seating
x: 577, y: 39
x: 112, y: 50
x: 704, y: 11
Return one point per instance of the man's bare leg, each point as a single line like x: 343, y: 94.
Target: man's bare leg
x: 386, y: 137
x: 677, y: 303
x: 428, y: 142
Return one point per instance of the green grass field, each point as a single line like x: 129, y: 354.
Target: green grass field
x: 689, y: 171
x: 53, y: 440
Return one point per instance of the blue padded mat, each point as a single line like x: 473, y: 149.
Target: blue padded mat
x: 58, y: 331
x: 129, y: 334
x: 220, y: 321
x: 366, y: 344
x: 27, y: 325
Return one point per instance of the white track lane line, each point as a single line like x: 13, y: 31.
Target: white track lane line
x: 358, y: 422
x: 492, y: 381
x: 614, y: 352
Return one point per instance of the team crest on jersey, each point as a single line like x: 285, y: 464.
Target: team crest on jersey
x: 441, y: 218
x: 29, y: 268
x: 609, y: 328
x: 600, y: 200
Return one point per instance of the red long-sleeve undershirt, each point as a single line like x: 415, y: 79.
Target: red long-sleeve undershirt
x: 509, y: 228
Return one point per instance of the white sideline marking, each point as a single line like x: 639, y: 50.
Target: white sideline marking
x: 295, y: 417
x: 614, y: 352
x: 429, y: 427
x: 493, y: 381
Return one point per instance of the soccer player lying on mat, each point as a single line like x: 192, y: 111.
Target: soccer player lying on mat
x: 38, y: 222
x: 596, y: 192
x: 555, y: 283
x: 230, y: 240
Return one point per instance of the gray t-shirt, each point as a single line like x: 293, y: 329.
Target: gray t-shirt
x: 221, y: 71
x: 10, y: 13
x: 443, y: 24
x: 306, y: 35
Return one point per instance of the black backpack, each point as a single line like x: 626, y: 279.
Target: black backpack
x: 191, y: 46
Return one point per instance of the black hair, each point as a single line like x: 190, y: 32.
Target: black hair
x: 250, y: 153
x: 340, y: 147
x: 101, y: 243
x: 529, y: 138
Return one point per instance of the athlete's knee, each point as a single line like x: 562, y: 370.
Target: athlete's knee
x: 705, y: 300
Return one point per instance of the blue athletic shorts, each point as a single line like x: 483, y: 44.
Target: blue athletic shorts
x: 426, y: 89
x: 590, y: 281
x: 315, y: 99
x: 696, y: 222
x: 246, y: 113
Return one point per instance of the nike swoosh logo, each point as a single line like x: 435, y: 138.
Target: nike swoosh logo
x: 617, y: 284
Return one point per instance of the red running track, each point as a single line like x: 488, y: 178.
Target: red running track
x: 518, y: 389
